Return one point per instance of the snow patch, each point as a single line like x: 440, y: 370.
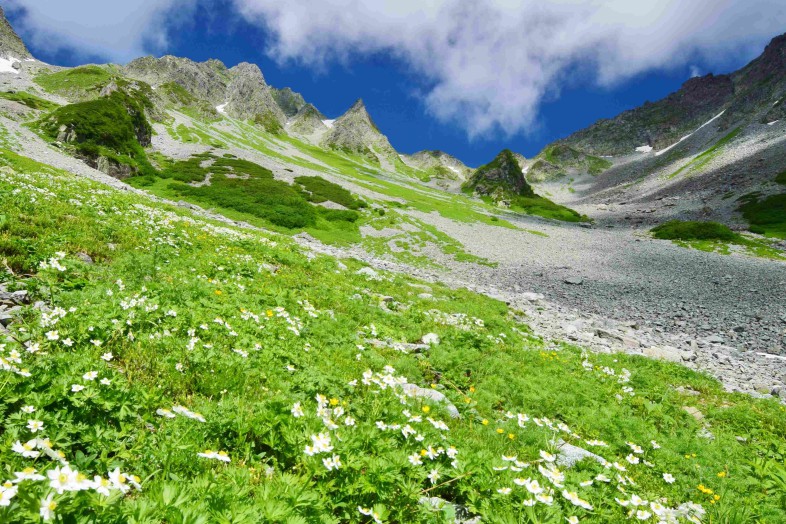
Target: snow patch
x: 6, y: 65
x: 29, y: 59
x: 658, y: 153
x: 773, y: 122
x: 222, y: 108
x: 329, y: 123
x: 454, y: 169
x: 644, y: 149
x: 525, y: 169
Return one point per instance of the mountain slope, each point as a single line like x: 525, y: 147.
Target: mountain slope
x: 438, y: 164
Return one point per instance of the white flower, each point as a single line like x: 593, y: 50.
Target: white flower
x: 349, y: 421
x: 27, y: 449
x: 107, y: 356
x: 548, y: 457
x: 28, y: 409
x: 215, y: 455
x: 633, y: 459
x: 28, y: 474
x: 52, y: 335
x: 101, y: 485
x: 433, y: 476
x: 179, y: 367
x: 76, y: 388
x: 6, y: 494
x: 572, y: 520
x: 105, y: 382
x: 504, y: 491
x: 119, y: 480
x: 68, y: 342
x: 35, y: 426
x: 643, y: 515
x: 529, y: 502
x: 48, y: 506
x: 415, y: 459
x: 668, y: 477
x: 90, y: 375
x: 543, y: 498
x: 655, y: 445
x: 332, y: 463
x: 63, y: 479
x: 297, y: 410
x: 97, y: 343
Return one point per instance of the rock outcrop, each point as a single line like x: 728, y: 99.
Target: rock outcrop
x: 248, y: 97
x: 308, y: 122
x: 205, y: 80
x: 354, y: 132
x: 291, y: 103
x: 438, y: 164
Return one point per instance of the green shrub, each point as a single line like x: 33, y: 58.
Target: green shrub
x: 781, y: 178
x: 317, y: 190
x: 766, y: 216
x: 543, y: 207
x: 78, y: 81
x: 693, y: 230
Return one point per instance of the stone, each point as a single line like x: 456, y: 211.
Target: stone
x: 569, y: 455
x: 714, y: 339
x: 669, y: 353
x: 432, y: 394
x: 368, y: 273
x: 425, y: 296
x: 694, y: 412
x: 430, y: 339
x: 531, y: 297
x: 574, y: 281
x: 84, y: 257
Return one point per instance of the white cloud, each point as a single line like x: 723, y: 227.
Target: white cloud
x: 109, y: 29
x: 488, y: 64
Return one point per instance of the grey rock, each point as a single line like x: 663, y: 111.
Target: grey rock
x: 694, y: 412
x: 574, y: 281
x: 669, y: 353
x: 432, y: 394
x: 84, y: 257
x: 569, y: 455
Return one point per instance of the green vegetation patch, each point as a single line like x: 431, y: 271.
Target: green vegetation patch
x: 716, y: 238
x: 704, y: 158
x: 207, y: 373
x: 75, y: 83
x: 693, y: 230
x: 543, y: 207
x: 114, y: 126
x: 320, y: 190
x: 781, y: 178
x: 766, y: 216
x: 30, y: 100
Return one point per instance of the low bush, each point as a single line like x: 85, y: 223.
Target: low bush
x: 693, y: 230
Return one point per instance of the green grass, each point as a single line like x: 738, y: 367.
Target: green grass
x: 30, y: 100
x: 240, y: 326
x: 715, y: 238
x: 781, y: 178
x: 543, y: 207
x: 704, y: 158
x: 766, y: 216
x: 77, y: 83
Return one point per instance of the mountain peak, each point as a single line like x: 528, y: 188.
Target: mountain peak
x: 501, y: 175
x: 356, y: 132
x: 11, y: 46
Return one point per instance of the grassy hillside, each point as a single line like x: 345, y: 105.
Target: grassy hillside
x: 193, y: 372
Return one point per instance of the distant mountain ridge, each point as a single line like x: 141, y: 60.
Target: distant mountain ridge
x: 754, y: 93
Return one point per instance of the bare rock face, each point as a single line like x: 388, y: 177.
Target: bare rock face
x: 205, y: 80
x: 438, y: 164
x: 308, y: 122
x: 248, y: 97
x: 355, y: 132
x: 291, y: 103
x: 10, y: 43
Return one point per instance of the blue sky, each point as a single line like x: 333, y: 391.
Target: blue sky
x: 461, y: 108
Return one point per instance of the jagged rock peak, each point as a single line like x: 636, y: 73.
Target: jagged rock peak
x: 248, y: 97
x: 308, y: 121
x: 249, y: 70
x: 502, y: 175
x: 356, y: 132
x: 11, y: 46
x: 204, y: 80
x: 290, y: 102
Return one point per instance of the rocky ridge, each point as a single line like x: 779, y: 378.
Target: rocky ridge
x: 439, y: 164
x: 501, y: 176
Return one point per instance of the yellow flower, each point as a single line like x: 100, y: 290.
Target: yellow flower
x: 511, y: 436
x: 426, y: 409
x: 485, y: 422
x: 433, y: 386
x: 500, y: 431
x: 334, y: 402
x: 716, y: 497
x: 722, y: 474
x: 467, y: 400
x: 269, y: 313
x: 472, y: 389
x: 423, y: 452
x: 217, y: 291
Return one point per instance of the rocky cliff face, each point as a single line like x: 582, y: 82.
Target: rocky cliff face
x: 205, y: 80
x: 248, y: 97
x: 754, y: 93
x: 356, y: 133
x: 308, y: 122
x: 289, y: 101
x: 438, y: 164
x: 502, y: 176
x: 10, y: 43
